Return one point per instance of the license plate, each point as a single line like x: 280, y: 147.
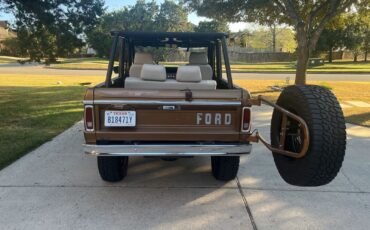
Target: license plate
x: 120, y: 118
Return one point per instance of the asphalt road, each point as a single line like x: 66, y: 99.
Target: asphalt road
x: 58, y: 187
x: 40, y: 70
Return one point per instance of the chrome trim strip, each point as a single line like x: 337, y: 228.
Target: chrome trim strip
x: 88, y: 102
x: 159, y: 102
x: 167, y: 150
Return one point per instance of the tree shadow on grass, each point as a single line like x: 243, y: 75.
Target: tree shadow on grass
x: 359, y: 119
x: 33, y: 115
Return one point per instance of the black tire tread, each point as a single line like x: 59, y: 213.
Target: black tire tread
x: 225, y: 168
x: 326, y: 123
x: 111, y: 168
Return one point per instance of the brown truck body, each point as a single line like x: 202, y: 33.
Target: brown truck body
x: 166, y: 117
x: 210, y: 120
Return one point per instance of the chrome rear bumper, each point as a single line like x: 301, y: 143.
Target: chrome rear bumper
x: 167, y: 150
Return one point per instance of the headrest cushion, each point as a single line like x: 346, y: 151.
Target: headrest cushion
x: 152, y: 72
x: 188, y: 74
x: 143, y: 58
x: 198, y: 58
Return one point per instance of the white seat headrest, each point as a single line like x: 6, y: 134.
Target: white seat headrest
x: 188, y: 74
x: 199, y: 58
x: 143, y: 58
x: 152, y: 72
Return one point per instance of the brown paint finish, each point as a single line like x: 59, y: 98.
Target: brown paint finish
x: 169, y: 136
x: 210, y: 123
x: 120, y: 93
x: 89, y: 94
x: 90, y: 137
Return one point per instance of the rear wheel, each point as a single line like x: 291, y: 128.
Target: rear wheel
x: 112, y: 168
x: 169, y: 158
x: 324, y: 117
x: 225, y: 168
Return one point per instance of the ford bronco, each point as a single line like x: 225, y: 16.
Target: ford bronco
x: 194, y: 109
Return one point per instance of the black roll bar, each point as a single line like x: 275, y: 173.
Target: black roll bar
x: 218, y: 61
x: 121, y: 58
x: 108, y: 77
x: 227, y: 64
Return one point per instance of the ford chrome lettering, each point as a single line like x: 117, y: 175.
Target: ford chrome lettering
x: 213, y: 119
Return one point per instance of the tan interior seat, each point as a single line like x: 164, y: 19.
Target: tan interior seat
x: 200, y: 59
x: 154, y: 77
x: 137, y: 83
x: 188, y: 74
x: 150, y: 72
x: 139, y: 60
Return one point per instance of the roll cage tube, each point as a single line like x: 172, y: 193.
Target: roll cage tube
x: 227, y: 64
x: 108, y: 77
x: 218, y: 61
x: 121, y: 67
x: 116, y: 37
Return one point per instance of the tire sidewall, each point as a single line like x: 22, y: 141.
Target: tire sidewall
x: 319, y: 108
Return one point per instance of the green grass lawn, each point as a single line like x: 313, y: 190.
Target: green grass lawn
x: 8, y: 59
x: 34, y: 109
x: 279, y: 67
x: 338, y: 67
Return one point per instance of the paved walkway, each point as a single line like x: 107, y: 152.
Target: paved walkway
x: 57, y: 187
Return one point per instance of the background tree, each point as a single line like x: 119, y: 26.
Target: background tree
x: 355, y: 33
x: 143, y: 16
x: 308, y: 18
x: 212, y: 26
x: 138, y: 17
x: 262, y: 39
x: 364, y: 15
x: 244, y: 36
x: 48, y: 29
x: 172, y: 17
x: 285, y: 40
x: 11, y: 47
x: 333, y: 36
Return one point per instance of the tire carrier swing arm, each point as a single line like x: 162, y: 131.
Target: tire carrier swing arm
x: 285, y: 114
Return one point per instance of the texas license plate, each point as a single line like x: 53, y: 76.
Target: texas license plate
x: 120, y: 118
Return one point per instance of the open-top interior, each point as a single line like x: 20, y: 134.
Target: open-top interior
x: 143, y: 74
x: 139, y: 69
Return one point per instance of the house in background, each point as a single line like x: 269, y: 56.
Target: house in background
x: 6, y: 32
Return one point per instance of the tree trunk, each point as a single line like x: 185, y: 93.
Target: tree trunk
x: 355, y: 57
x: 365, y: 58
x: 302, y: 62
x: 331, y: 55
x: 303, y: 54
x: 274, y: 38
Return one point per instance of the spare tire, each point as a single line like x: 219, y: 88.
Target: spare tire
x: 327, y: 133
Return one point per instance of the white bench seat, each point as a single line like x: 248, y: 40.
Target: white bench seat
x: 137, y: 83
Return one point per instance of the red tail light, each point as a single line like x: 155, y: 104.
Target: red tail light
x: 89, y: 118
x: 246, y: 119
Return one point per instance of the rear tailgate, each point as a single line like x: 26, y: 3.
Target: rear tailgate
x: 167, y: 115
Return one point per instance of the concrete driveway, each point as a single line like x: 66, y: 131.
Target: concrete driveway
x: 57, y: 187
